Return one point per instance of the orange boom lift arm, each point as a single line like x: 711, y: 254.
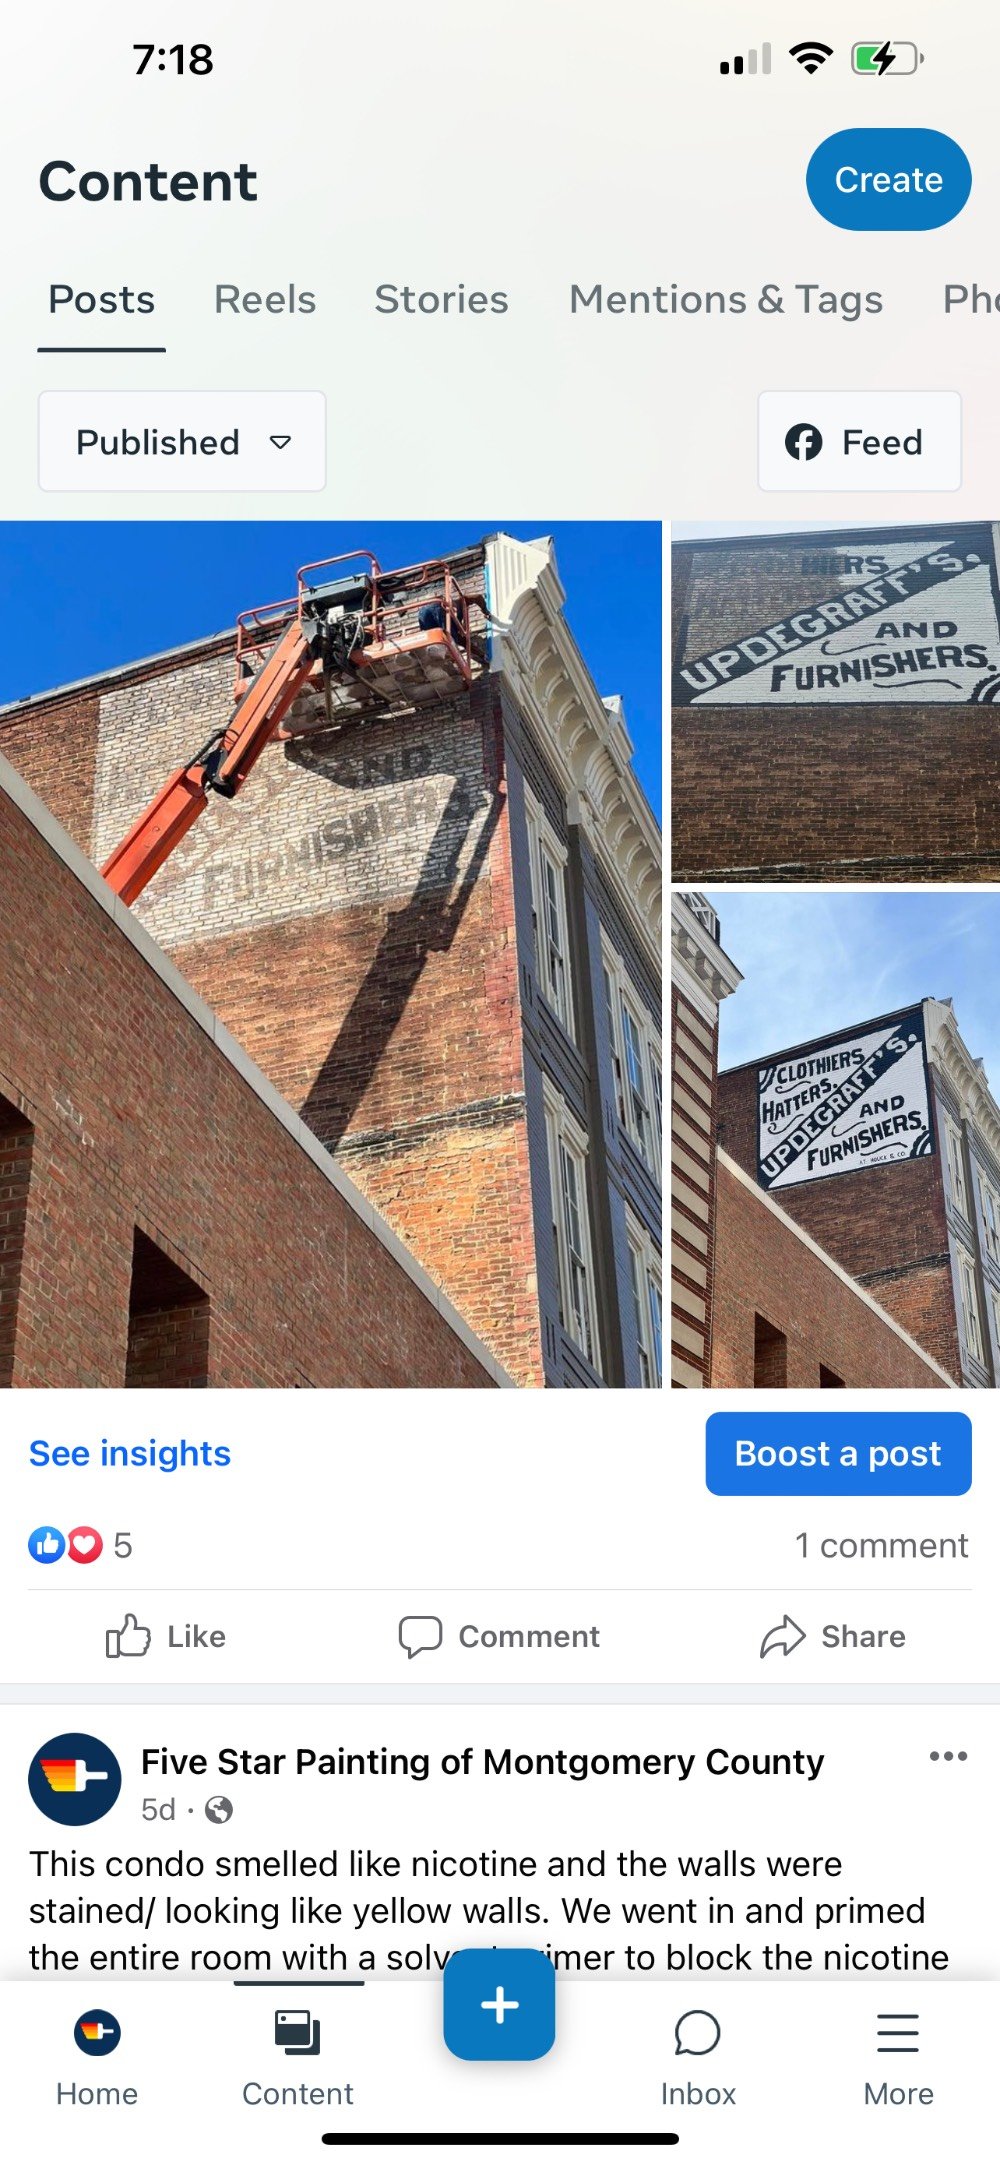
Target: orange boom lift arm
x: 337, y: 634
x: 222, y: 765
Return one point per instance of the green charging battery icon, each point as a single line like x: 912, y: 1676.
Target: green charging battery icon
x: 889, y: 56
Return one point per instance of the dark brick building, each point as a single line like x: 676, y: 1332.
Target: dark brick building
x: 769, y: 1288
x: 913, y: 1212
x: 832, y: 705
x: 788, y: 1317
x: 435, y: 930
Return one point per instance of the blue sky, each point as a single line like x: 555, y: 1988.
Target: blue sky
x: 811, y: 961
x: 79, y: 598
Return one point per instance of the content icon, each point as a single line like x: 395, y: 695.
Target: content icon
x: 296, y: 2033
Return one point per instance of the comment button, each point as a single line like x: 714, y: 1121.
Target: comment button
x: 182, y: 441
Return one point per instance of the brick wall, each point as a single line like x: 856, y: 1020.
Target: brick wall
x: 350, y: 919
x: 763, y: 1269
x: 141, y: 1123
x: 891, y: 791
x: 885, y: 1225
x: 53, y: 745
x: 694, y: 1060
x: 15, y: 1172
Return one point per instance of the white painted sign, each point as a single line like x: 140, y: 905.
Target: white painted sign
x: 905, y: 622
x: 845, y: 1104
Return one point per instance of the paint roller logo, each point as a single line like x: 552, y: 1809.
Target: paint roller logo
x: 75, y: 1779
x: 68, y: 1775
x: 97, y: 2033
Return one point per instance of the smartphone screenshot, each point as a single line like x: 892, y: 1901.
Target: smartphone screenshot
x: 440, y: 451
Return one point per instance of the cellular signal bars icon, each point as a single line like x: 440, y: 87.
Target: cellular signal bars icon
x: 739, y: 66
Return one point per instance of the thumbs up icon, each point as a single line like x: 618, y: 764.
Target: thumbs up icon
x: 128, y: 1643
x: 46, y: 1544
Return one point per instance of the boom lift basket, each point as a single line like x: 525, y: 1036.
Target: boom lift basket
x: 388, y: 642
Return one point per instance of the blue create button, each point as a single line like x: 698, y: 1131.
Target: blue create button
x: 889, y: 180
x: 499, y: 2004
x: 839, y: 1453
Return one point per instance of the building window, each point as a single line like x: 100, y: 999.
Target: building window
x: 615, y: 1041
x: 991, y: 1218
x: 168, y: 1323
x: 656, y: 1071
x: 970, y: 1307
x: 16, y: 1138
x: 638, y: 1086
x: 637, y: 1063
x: 571, y: 1227
x: 956, y: 1168
x: 770, y: 1355
x: 828, y: 1379
x: 549, y: 918
x: 647, y: 1306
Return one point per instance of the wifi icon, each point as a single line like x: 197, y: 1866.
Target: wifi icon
x: 810, y: 54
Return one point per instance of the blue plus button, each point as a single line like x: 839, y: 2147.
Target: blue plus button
x: 499, y: 2005
x: 889, y: 180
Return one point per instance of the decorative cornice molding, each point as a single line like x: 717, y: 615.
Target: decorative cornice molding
x: 699, y: 964
x: 966, y: 1075
x: 584, y: 735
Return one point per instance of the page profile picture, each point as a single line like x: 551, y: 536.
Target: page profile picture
x: 74, y: 1779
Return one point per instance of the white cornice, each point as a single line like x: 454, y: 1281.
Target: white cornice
x: 699, y: 966
x: 583, y: 735
x: 966, y: 1075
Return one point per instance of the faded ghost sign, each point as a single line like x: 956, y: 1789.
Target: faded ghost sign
x: 904, y: 622
x: 846, y: 1103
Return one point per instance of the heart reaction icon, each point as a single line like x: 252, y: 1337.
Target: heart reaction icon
x: 84, y: 1544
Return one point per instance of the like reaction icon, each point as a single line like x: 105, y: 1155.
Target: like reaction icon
x: 46, y: 1544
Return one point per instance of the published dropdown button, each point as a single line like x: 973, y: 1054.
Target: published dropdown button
x: 181, y: 440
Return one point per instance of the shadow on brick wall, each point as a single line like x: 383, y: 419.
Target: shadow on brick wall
x: 426, y: 924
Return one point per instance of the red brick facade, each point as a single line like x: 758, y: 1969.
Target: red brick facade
x: 885, y: 1225
x: 159, y: 1217
x: 897, y: 791
x: 350, y: 918
x: 783, y: 1317
x: 694, y: 1061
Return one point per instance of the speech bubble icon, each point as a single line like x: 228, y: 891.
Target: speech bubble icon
x: 420, y: 1633
x: 696, y: 2034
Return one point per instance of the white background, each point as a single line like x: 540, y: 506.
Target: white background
x: 524, y: 147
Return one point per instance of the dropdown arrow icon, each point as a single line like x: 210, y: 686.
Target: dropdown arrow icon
x: 280, y: 442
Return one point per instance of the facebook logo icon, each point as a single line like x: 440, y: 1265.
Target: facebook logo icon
x: 499, y: 2004
x: 803, y: 441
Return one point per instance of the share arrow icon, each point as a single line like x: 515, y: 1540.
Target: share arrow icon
x: 281, y: 442
x: 785, y: 1633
